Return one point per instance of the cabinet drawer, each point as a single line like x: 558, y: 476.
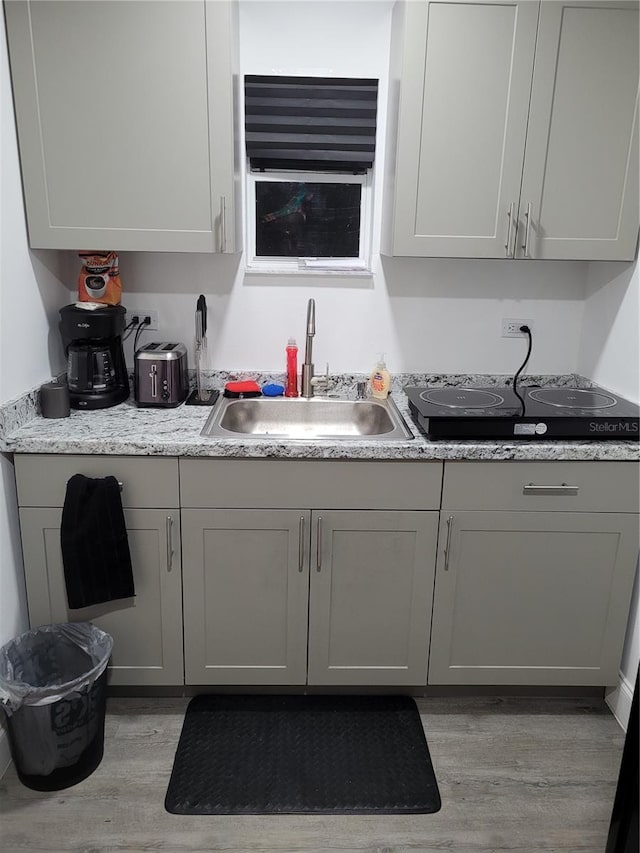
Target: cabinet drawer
x: 313, y: 484
x: 42, y: 479
x: 572, y: 486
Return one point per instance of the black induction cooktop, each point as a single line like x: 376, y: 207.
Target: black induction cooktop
x: 550, y: 413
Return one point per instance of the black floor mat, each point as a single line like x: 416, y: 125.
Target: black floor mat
x: 302, y: 754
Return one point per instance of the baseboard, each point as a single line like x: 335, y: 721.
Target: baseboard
x: 619, y: 700
x: 5, y: 752
x: 418, y: 692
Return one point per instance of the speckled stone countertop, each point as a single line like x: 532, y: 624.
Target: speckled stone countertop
x: 128, y: 430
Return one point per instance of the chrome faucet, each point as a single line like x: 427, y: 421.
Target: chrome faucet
x: 309, y: 381
x: 307, y: 367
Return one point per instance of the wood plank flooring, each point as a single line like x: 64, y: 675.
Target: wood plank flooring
x: 515, y: 774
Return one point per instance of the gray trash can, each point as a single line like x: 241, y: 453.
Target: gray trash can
x: 53, y: 691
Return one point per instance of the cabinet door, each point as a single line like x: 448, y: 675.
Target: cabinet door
x: 464, y: 84
x: 537, y: 598
x: 246, y: 586
x: 370, y: 596
x: 113, y: 108
x: 146, y: 629
x: 580, y: 181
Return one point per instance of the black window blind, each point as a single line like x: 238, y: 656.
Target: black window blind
x: 310, y: 123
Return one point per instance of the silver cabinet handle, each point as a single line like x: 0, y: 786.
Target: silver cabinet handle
x: 447, y: 547
x: 223, y: 224
x: 525, y: 245
x: 562, y: 489
x: 319, y: 545
x: 511, y: 217
x: 169, y: 543
x: 301, y: 545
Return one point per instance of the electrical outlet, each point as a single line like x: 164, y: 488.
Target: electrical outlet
x: 141, y: 313
x: 511, y: 328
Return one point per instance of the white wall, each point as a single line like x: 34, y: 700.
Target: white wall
x: 30, y: 351
x: 610, y: 355
x: 609, y: 349
x: 426, y: 315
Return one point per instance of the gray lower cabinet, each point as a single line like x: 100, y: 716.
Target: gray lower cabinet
x: 532, y: 598
x: 246, y: 585
x: 534, y: 573
x: 523, y: 577
x: 370, y: 596
x: 254, y: 580
x: 335, y: 592
x: 147, y: 629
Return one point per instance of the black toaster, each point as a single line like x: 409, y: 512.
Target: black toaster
x: 160, y: 375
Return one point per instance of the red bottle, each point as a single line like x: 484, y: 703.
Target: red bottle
x: 291, y: 389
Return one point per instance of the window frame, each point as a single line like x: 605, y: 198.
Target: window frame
x: 282, y: 264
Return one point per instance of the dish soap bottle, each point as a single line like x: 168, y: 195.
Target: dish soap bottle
x: 380, y: 380
x: 291, y: 389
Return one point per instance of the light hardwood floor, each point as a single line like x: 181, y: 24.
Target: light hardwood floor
x: 515, y: 774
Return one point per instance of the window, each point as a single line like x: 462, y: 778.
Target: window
x: 310, y: 144
x: 308, y: 220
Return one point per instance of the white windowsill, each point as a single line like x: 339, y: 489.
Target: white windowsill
x: 303, y: 272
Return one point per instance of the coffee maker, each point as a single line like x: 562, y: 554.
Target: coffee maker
x: 96, y: 372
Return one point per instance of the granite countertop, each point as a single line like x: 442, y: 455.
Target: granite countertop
x: 128, y: 430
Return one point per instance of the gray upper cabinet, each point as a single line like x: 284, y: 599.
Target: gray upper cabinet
x: 463, y: 72
x: 125, y: 123
x: 513, y: 130
x: 580, y: 195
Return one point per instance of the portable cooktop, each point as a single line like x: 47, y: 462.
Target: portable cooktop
x: 550, y: 413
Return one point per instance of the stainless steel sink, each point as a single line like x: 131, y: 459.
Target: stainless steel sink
x: 302, y: 418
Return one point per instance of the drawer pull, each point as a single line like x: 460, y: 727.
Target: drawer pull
x: 223, y: 224
x: 169, y: 543
x: 511, y: 218
x: 525, y: 245
x: 562, y: 489
x: 447, y: 547
x: 319, y: 545
x: 301, y: 545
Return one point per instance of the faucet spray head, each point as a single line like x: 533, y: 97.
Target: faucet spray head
x: 311, y: 317
x: 311, y: 330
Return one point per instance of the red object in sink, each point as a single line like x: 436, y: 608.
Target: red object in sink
x: 247, y: 388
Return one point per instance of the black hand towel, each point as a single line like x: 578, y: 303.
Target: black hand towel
x: 95, y: 548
